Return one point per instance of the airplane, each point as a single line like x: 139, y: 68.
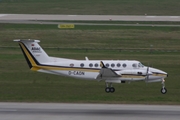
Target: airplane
x: 111, y: 71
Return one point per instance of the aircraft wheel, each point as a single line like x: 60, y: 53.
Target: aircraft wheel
x: 163, y: 90
x: 112, y: 89
x: 107, y: 89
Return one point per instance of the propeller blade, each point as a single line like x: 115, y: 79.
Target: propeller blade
x: 147, y: 74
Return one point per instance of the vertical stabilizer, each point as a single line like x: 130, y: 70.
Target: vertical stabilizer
x: 33, y: 52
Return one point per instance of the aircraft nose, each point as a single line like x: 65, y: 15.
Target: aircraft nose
x: 159, y: 72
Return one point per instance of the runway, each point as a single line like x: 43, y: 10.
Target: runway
x: 87, y: 17
x: 60, y: 111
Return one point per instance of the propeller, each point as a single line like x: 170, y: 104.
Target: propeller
x: 147, y: 74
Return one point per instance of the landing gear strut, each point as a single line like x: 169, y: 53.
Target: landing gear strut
x: 163, y: 89
x: 109, y: 89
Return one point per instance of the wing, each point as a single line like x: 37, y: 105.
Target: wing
x: 105, y: 72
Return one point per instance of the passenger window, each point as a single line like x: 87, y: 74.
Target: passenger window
x: 82, y: 64
x: 90, y: 65
x: 71, y: 65
x: 112, y: 65
x: 118, y: 64
x: 134, y: 65
x: 124, y: 65
x: 96, y: 65
x: 107, y: 65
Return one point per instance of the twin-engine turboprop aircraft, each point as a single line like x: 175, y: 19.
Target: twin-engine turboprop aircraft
x: 111, y: 71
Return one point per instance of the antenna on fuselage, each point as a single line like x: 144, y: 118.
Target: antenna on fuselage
x: 86, y: 58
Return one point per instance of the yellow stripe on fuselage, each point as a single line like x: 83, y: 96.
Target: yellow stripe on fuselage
x: 28, y: 55
x: 132, y: 76
x: 49, y: 67
x: 67, y: 69
x: 36, y: 67
x: 161, y: 75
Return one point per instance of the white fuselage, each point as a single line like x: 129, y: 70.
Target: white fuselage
x: 89, y: 69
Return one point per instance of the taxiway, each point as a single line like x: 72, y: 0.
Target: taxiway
x: 87, y: 17
x: 60, y: 111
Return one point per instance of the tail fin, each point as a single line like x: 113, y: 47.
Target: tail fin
x: 33, y: 52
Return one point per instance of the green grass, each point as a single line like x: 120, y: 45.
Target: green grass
x: 93, y: 36
x: 18, y: 83
x: 97, y: 7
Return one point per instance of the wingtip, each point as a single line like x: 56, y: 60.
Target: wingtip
x: 102, y: 64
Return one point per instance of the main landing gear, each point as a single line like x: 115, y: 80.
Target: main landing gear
x: 163, y: 89
x: 109, y: 89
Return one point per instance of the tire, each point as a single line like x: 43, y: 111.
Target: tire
x: 112, y: 89
x: 107, y: 90
x: 163, y: 90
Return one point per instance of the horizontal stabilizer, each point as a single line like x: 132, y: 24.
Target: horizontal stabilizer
x: 26, y: 40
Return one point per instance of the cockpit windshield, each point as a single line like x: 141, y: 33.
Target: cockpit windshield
x: 140, y: 65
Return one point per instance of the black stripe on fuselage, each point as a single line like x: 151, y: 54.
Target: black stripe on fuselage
x: 30, y: 65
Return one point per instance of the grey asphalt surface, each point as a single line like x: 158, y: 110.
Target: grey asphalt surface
x: 52, y: 19
x: 60, y: 111
x: 50, y: 22
x: 87, y: 17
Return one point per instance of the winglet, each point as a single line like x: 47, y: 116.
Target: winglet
x: 102, y: 64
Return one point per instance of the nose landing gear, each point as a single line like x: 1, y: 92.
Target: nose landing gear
x: 163, y: 89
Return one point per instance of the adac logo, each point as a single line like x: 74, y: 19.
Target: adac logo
x: 36, y: 49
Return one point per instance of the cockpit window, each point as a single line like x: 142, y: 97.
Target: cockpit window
x: 140, y: 65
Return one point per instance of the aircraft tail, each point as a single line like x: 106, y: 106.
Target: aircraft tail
x: 33, y: 52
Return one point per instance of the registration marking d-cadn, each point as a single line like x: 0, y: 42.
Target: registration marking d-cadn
x: 76, y: 73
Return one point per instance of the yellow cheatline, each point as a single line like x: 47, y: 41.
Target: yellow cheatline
x: 38, y: 67
x: 68, y: 69
x: 162, y: 75
x: 28, y: 55
x: 101, y: 65
x: 132, y: 76
x: 66, y: 26
x: 35, y: 68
